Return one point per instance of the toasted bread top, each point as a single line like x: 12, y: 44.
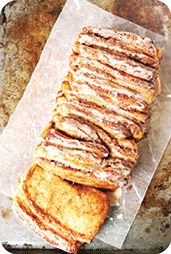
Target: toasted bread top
x: 81, y: 210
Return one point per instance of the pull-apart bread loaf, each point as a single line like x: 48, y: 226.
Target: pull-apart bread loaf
x: 64, y: 214
x: 101, y: 113
x: 102, y: 108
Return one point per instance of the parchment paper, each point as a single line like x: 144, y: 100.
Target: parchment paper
x: 22, y: 134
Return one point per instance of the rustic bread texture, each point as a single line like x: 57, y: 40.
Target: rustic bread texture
x: 62, y: 213
x: 102, y: 108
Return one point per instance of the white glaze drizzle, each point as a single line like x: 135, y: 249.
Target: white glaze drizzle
x: 118, y: 62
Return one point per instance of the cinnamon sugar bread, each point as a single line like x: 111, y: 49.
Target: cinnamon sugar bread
x: 102, y: 108
x: 101, y: 113
x: 64, y: 214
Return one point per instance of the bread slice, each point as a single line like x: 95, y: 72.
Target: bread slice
x: 86, y: 162
x: 64, y: 214
x: 78, y: 176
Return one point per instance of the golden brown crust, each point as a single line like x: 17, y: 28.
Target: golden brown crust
x: 157, y: 86
x: 75, y: 213
x: 46, y: 129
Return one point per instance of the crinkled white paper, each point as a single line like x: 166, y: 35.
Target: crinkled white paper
x: 22, y: 134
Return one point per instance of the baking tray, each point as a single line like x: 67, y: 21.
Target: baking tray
x: 24, y: 28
